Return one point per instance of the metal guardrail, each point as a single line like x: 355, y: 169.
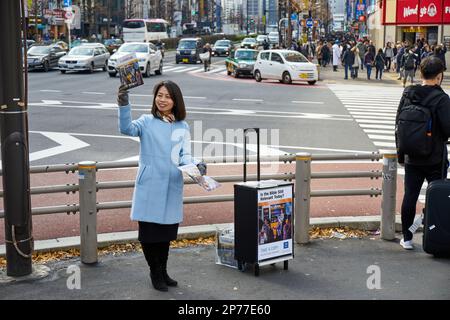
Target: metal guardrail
x: 88, y: 188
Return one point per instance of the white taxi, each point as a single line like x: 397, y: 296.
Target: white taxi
x: 285, y: 66
x: 150, y: 58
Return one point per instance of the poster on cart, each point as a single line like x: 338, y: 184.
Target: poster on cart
x: 275, y: 222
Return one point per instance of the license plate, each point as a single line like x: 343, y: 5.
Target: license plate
x: 70, y: 67
x: 303, y: 76
x: 185, y: 60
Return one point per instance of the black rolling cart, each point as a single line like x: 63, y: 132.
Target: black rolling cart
x: 263, y: 219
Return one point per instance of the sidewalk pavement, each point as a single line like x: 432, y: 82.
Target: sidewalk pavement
x: 357, y: 269
x: 326, y: 268
x: 327, y: 75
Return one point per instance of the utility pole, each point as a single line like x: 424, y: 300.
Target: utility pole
x: 247, y: 14
x: 14, y: 143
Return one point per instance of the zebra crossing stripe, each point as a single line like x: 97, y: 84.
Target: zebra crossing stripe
x: 376, y: 114
x: 373, y: 109
x: 384, y: 144
x: 373, y: 121
x: 381, y: 137
x: 375, y: 126
x: 185, y: 69
x: 173, y: 69
x: 197, y: 70
x: 217, y: 70
x: 375, y: 117
x: 379, y: 131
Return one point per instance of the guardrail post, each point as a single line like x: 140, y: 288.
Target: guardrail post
x: 302, y: 197
x: 88, y: 211
x: 389, y: 196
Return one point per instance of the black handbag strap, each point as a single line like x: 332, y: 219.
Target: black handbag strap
x: 444, y: 160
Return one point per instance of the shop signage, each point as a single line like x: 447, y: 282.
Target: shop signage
x: 407, y: 11
x: 423, y: 11
x: 446, y: 15
x: 430, y: 11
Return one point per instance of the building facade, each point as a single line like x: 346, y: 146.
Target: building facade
x: 410, y: 20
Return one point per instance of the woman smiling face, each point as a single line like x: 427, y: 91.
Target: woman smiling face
x: 164, y: 101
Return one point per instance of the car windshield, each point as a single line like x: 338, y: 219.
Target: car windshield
x: 80, y: 51
x: 186, y: 45
x: 37, y: 49
x: 222, y: 43
x: 261, y: 37
x: 294, y: 57
x: 246, y: 55
x: 134, y: 47
x: 249, y: 40
x: 273, y: 34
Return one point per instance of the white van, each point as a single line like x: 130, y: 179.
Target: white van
x: 285, y: 66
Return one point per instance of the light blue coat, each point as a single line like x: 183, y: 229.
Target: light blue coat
x: 158, y: 193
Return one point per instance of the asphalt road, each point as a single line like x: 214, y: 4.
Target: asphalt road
x: 78, y: 112
x: 73, y: 117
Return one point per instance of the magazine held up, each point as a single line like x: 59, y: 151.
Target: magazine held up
x: 205, y: 182
x: 129, y: 72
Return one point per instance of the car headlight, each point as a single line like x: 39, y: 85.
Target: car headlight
x: 141, y: 59
x: 178, y: 52
x: 193, y: 52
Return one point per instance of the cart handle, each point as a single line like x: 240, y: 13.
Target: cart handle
x: 257, y: 153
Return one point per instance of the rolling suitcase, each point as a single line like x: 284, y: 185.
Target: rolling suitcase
x: 436, y: 229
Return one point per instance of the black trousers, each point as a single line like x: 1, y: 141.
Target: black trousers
x: 414, y: 178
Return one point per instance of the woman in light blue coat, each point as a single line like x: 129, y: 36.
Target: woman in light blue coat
x: 165, y: 144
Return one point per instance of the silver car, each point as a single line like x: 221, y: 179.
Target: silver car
x: 86, y: 57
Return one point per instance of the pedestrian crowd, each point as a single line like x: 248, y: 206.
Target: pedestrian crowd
x: 403, y: 58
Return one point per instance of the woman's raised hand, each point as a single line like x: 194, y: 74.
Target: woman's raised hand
x: 122, y: 96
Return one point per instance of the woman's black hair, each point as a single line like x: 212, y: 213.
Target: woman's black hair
x: 179, y: 109
x: 431, y: 67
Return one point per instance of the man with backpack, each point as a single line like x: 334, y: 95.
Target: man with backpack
x: 422, y: 127
x: 409, y: 65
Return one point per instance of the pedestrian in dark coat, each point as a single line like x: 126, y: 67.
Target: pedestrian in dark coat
x: 379, y: 64
x: 158, y: 195
x: 419, y: 168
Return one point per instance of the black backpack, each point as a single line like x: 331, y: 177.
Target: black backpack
x: 410, y: 62
x: 413, y: 130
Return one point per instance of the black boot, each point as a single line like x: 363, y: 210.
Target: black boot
x: 156, y: 275
x: 151, y: 254
x: 163, y: 258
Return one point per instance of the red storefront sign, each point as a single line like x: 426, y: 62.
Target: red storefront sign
x: 407, y: 11
x: 446, y: 14
x: 430, y: 11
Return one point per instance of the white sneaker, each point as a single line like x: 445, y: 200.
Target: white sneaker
x: 408, y: 245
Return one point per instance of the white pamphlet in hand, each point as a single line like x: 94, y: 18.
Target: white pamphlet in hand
x: 205, y: 182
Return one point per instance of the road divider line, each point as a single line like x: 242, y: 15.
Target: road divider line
x: 307, y: 102
x: 90, y: 92
x: 190, y: 97
x: 249, y: 100
x: 140, y: 95
x: 50, y: 90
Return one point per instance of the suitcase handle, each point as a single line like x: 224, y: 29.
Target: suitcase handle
x: 258, y: 175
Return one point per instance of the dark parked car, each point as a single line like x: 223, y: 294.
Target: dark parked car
x: 112, y: 44
x: 188, y: 50
x: 44, y: 57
